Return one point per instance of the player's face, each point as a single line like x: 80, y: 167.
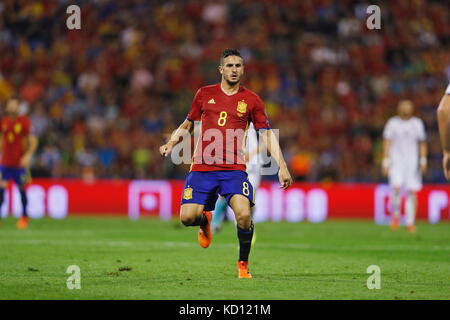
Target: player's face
x: 405, y: 109
x: 12, y: 107
x: 232, y: 69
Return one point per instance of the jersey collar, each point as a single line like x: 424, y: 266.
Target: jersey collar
x: 229, y: 95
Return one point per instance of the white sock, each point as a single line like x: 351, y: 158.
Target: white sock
x: 395, y: 204
x: 410, y: 208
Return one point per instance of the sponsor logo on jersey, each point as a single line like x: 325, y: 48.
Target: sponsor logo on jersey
x: 211, y: 101
x: 187, y: 194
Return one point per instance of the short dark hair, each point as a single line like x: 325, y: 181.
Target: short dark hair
x: 229, y: 52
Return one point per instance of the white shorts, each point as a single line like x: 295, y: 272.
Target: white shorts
x: 410, y: 179
x: 255, y: 179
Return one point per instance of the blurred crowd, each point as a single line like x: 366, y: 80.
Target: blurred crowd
x: 104, y: 98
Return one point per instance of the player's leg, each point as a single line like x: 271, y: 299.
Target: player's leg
x: 413, y: 185
x: 199, y: 198
x: 242, y: 211
x: 3, y: 185
x: 219, y: 213
x: 245, y: 229
x: 221, y: 206
x: 191, y: 214
x: 21, y: 178
x: 24, y: 200
x: 238, y: 191
x: 395, y: 181
x: 395, y: 201
x: 410, y: 210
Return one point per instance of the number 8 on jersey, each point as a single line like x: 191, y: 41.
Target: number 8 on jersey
x: 222, y: 118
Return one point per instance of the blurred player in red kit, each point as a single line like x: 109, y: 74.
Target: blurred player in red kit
x: 17, y: 145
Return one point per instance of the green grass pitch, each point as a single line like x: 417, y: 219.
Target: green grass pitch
x: 152, y: 259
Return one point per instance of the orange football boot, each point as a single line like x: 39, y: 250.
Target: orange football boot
x: 204, y: 233
x: 411, y: 228
x: 395, y: 224
x: 22, y: 223
x: 243, y: 272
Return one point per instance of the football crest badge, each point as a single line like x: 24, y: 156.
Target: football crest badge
x: 241, y: 107
x: 187, y: 194
x: 17, y: 128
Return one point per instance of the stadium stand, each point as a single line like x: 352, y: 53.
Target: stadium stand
x: 103, y: 98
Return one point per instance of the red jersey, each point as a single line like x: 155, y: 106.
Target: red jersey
x: 224, y: 122
x: 14, y: 131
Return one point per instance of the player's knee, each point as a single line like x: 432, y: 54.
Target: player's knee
x: 186, y: 220
x: 189, y: 214
x: 244, y: 219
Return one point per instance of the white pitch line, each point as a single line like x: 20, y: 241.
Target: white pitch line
x: 300, y: 246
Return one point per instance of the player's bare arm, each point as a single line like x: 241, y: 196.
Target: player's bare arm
x: 32, y: 143
x: 443, y: 116
x: 274, y: 149
x: 385, y: 161
x: 166, y: 149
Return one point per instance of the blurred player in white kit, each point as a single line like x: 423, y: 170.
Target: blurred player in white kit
x: 253, y: 156
x: 404, y: 161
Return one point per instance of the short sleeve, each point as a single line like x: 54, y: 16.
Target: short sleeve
x: 195, y: 112
x: 26, y: 126
x: 259, y: 117
x: 422, y: 136
x: 388, y: 132
x: 447, y: 91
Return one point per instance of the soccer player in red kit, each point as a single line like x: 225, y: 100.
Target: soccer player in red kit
x: 225, y: 110
x: 17, y: 146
